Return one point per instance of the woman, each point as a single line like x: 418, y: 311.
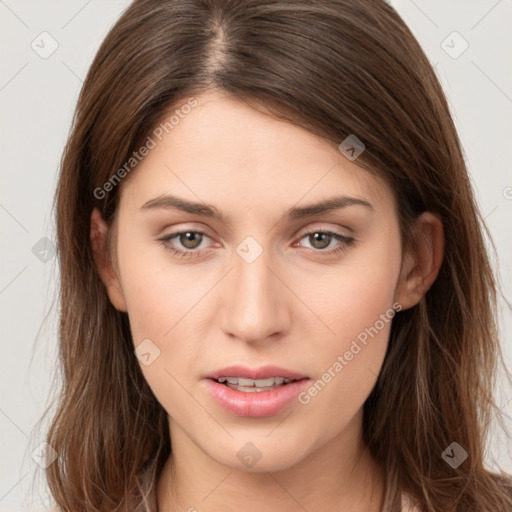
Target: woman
x: 274, y: 287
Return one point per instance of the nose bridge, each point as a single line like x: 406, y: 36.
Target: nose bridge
x: 255, y: 307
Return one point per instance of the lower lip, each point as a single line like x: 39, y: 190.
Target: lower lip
x: 257, y: 404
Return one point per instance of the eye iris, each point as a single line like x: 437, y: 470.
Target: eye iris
x: 316, y: 237
x: 189, y: 236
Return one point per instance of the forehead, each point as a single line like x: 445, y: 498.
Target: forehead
x: 222, y: 151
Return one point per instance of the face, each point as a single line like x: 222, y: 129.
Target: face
x: 262, y: 281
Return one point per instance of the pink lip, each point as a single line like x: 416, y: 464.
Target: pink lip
x: 264, y: 372
x: 258, y: 404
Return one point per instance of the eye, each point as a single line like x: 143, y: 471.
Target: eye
x: 189, y: 239
x: 321, y: 239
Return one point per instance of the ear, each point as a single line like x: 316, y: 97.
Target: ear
x: 104, y: 265
x: 421, y: 262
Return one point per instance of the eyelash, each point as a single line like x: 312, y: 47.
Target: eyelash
x: 192, y: 253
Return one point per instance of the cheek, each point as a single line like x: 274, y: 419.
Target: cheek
x: 358, y: 308
x: 160, y: 299
x: 359, y: 301
x: 362, y: 288
x: 359, y: 315
x: 158, y: 294
x: 165, y: 305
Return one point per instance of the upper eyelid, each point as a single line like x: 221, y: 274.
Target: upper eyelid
x: 300, y: 236
x: 306, y: 231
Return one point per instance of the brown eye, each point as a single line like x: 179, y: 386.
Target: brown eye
x: 321, y: 240
x: 184, y: 243
x: 190, y: 239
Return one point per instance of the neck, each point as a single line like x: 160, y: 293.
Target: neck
x: 340, y: 475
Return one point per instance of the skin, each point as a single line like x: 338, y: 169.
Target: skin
x: 295, y: 306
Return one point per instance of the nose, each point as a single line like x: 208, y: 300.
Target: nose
x: 256, y: 305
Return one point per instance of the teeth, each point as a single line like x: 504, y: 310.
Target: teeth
x: 260, y: 383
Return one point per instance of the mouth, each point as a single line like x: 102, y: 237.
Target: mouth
x: 255, y: 385
x: 255, y: 392
x: 255, y: 398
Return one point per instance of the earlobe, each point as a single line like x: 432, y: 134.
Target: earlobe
x: 421, y: 264
x: 103, y: 263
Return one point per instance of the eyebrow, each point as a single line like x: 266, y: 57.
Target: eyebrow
x: 206, y: 210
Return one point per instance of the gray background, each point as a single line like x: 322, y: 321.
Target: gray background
x: 37, y: 97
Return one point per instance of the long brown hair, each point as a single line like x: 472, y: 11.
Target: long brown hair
x: 334, y: 67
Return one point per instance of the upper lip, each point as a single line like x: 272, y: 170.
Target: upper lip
x: 263, y: 372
